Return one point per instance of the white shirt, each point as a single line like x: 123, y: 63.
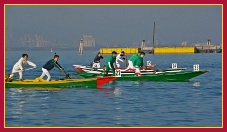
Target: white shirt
x: 119, y: 58
x: 21, y: 63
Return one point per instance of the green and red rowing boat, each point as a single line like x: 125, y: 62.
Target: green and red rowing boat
x: 184, y: 75
x: 173, y: 74
x: 66, y: 83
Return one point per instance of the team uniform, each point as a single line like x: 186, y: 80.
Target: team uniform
x: 47, y: 67
x: 110, y: 64
x: 132, y: 62
x: 138, y: 64
x: 96, y: 63
x: 119, y: 58
x: 19, y: 66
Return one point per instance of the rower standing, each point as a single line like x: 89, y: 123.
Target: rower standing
x: 19, y: 66
x: 131, y: 61
x: 50, y: 65
x: 120, y: 58
x: 110, y: 63
x: 139, y: 64
x: 96, y: 63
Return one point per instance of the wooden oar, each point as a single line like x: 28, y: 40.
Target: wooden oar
x: 8, y: 75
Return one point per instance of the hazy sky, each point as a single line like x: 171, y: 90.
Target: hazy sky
x: 117, y: 24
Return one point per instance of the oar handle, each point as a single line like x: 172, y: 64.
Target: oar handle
x: 8, y: 75
x: 24, y: 70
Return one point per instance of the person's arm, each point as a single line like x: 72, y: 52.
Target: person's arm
x: 110, y: 63
x: 139, y: 63
x: 110, y: 66
x: 119, y: 58
x: 134, y: 62
x: 142, y: 65
x: 95, y: 59
x: 58, y: 66
x: 31, y: 63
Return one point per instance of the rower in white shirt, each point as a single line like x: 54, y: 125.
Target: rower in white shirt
x: 120, y: 58
x: 19, y: 66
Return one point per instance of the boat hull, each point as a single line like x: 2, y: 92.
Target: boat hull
x: 66, y: 83
x: 170, y: 76
x: 93, y: 72
x: 166, y: 76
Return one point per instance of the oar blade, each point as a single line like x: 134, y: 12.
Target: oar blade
x: 67, y: 76
x: 7, y: 79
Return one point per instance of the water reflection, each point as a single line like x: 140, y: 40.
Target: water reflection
x: 196, y: 84
x: 116, y: 91
x: 139, y: 83
x: 23, y: 105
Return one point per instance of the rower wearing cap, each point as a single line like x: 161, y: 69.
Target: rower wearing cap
x: 110, y: 63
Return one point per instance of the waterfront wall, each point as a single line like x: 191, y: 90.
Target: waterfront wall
x: 174, y: 50
x: 165, y: 50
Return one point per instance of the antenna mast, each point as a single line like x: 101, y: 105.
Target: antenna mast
x: 153, y: 34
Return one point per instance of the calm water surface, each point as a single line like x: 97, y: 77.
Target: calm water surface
x: 130, y: 103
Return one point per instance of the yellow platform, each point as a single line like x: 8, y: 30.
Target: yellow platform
x: 118, y: 50
x: 174, y: 50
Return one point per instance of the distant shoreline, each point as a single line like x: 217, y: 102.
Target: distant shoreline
x: 47, y: 48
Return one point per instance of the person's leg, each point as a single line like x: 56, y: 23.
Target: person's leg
x: 20, y: 75
x: 138, y: 71
x: 118, y: 65
x: 113, y: 71
x: 48, y: 76
x: 107, y: 71
x: 130, y: 65
x: 13, y: 71
x: 98, y: 65
x: 94, y: 65
x: 43, y: 74
x: 11, y: 75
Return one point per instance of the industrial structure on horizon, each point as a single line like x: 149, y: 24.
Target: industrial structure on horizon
x: 36, y: 41
x: 183, y: 49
